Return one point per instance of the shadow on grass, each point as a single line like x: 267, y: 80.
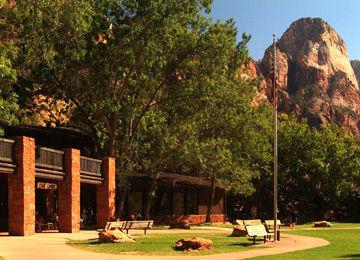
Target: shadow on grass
x: 350, y: 256
x: 94, y: 241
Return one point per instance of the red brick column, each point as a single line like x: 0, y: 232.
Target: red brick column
x: 106, y: 193
x: 69, y: 193
x: 21, y: 188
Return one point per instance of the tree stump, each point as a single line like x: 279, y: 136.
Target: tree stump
x: 114, y: 236
x: 193, y: 244
x: 322, y: 224
x: 239, y: 231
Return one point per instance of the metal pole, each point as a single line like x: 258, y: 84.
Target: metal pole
x: 275, y: 180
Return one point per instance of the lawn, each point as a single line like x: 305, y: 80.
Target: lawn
x: 343, y: 237
x: 162, y: 245
x: 344, y: 244
x: 333, y: 225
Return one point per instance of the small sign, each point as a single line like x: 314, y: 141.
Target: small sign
x: 46, y: 186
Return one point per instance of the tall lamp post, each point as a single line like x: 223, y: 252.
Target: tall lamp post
x: 275, y: 176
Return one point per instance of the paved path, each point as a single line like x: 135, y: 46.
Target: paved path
x: 52, y: 246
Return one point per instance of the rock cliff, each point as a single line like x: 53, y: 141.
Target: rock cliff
x: 315, y: 78
x: 356, y: 67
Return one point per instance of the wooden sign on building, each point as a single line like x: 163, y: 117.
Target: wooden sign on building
x: 46, y: 186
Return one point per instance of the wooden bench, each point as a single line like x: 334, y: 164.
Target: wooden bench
x: 115, y: 225
x: 39, y: 227
x: 257, y: 231
x: 126, y: 225
x: 269, y: 224
x: 252, y: 222
x: 141, y: 224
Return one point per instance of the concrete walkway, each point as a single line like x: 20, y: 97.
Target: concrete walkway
x: 52, y: 246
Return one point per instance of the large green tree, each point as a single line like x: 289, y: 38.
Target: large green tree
x: 116, y: 60
x: 318, y: 168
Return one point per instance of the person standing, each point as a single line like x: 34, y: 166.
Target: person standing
x: 293, y: 216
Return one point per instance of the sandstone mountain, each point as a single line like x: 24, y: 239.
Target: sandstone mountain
x: 356, y: 67
x: 315, y: 78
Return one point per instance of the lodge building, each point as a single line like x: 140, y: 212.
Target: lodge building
x: 45, y: 176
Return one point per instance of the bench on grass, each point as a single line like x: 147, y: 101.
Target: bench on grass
x: 252, y: 222
x: 269, y: 224
x: 115, y: 225
x: 140, y: 224
x: 257, y: 231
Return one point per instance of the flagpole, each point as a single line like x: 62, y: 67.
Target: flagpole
x: 275, y: 176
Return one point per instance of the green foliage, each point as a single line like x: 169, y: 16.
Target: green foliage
x: 8, y: 99
x: 318, y: 169
x: 154, y: 82
x: 7, y: 73
x: 8, y: 109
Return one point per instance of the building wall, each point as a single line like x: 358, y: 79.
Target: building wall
x: 20, y: 193
x: 173, y: 204
x: 3, y: 203
x: 218, y: 205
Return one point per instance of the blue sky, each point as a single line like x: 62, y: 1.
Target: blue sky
x: 262, y: 18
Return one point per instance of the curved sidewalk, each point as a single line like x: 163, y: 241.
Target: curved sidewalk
x: 52, y: 246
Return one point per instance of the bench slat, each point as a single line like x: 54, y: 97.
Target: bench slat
x: 258, y: 230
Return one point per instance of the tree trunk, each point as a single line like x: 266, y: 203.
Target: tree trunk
x: 112, y: 135
x: 211, y: 201
x: 149, y: 198
x: 122, y: 196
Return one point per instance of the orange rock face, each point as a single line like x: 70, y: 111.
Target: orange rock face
x: 251, y: 71
x: 315, y: 78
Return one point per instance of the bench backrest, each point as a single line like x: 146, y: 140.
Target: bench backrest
x: 252, y: 222
x: 256, y: 230
x: 270, y: 222
x: 141, y: 224
x: 238, y: 222
x: 114, y: 225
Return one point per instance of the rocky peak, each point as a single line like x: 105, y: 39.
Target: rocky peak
x: 315, y: 77
x: 356, y: 67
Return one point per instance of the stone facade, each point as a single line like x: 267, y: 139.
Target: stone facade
x: 21, y: 218
x: 69, y: 193
x: 106, y: 193
x: 21, y: 189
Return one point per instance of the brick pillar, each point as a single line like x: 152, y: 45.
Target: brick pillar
x: 21, y: 189
x: 105, y: 193
x: 69, y: 193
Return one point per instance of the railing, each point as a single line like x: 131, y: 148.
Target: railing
x: 90, y: 170
x: 49, y: 163
x: 6, y: 158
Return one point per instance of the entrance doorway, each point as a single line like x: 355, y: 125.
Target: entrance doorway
x: 4, y: 209
x: 46, y: 206
x: 87, y: 205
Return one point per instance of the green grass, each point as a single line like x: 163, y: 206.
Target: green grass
x: 344, y: 244
x: 162, y: 245
x: 298, y: 227
x: 343, y: 237
x: 334, y: 225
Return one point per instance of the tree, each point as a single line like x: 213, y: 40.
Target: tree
x: 116, y: 60
x: 318, y: 169
x: 222, y: 140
